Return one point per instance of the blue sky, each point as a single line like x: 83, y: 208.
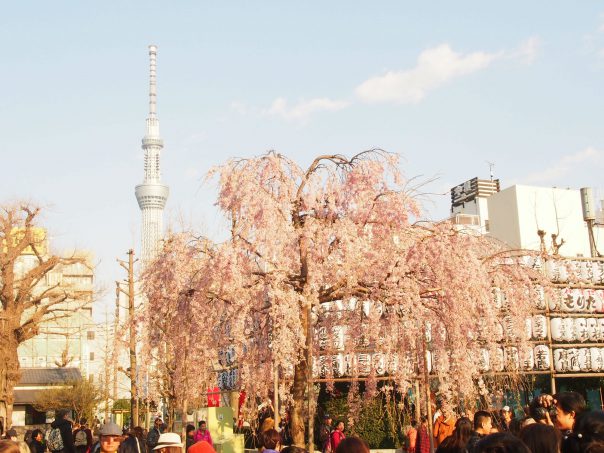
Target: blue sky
x: 448, y: 85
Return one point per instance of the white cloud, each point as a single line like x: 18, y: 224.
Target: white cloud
x: 565, y: 165
x: 303, y: 109
x: 435, y: 67
x: 528, y: 50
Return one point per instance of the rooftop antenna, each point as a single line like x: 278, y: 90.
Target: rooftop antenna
x: 491, y: 169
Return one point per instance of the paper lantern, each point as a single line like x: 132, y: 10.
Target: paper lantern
x: 584, y: 359
x: 600, y: 329
x: 364, y: 364
x: 542, y: 358
x: 339, y: 335
x: 322, y: 336
x: 393, y: 361
x: 379, y: 363
x: 539, y: 325
x: 551, y: 270
x: 339, y: 365
x: 483, y: 360
x: 585, y: 271
x: 561, y: 360
x: 539, y: 295
x: 497, y: 360
x: 527, y: 360
x: 569, y: 329
x: 528, y: 328
x: 580, y: 329
x: 592, y: 329
x: 511, y: 358
x: 558, y: 326
x: 596, y: 359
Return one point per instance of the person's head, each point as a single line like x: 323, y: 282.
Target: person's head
x: 507, y: 414
x: 9, y: 446
x: 568, y: 406
x: 424, y: 420
x: 62, y: 414
x: 271, y: 439
x: 463, y: 431
x: 413, y: 423
x: 516, y: 425
x: 157, y: 423
x: 501, y: 443
x: 589, y: 431
x: 168, y: 443
x: 37, y: 434
x: 483, y: 422
x: 12, y: 435
x: 203, y: 425
x: 201, y: 447
x: 340, y: 425
x: 110, y: 437
x: 541, y: 438
x: 327, y: 419
x: 293, y: 449
x: 83, y: 421
x: 352, y: 445
x: 190, y: 430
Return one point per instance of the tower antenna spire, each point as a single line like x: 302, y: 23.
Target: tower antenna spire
x: 152, y: 80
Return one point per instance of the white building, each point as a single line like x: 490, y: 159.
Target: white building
x: 518, y: 213
x: 67, y: 341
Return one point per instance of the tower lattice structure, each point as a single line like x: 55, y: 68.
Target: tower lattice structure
x: 152, y: 194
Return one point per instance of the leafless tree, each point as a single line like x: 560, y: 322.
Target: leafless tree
x: 29, y: 296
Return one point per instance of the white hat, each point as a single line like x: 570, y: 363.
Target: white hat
x: 110, y: 429
x: 506, y: 409
x: 168, y: 440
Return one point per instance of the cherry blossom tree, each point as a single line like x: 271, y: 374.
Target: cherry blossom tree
x: 331, y: 261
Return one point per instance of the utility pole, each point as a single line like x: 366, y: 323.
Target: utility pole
x: 132, y: 371
x: 116, y: 326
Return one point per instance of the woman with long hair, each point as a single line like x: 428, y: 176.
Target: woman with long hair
x: 456, y: 442
x: 541, y: 438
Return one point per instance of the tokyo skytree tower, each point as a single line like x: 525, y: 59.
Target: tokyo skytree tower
x: 152, y: 194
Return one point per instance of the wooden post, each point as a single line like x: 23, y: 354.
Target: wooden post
x: 132, y: 372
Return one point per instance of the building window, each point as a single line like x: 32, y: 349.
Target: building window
x: 90, y: 335
x: 91, y: 356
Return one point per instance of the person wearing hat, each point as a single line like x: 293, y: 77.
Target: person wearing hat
x: 201, y: 447
x: 506, y: 417
x: 154, y: 434
x: 325, y: 434
x: 110, y: 438
x: 168, y: 443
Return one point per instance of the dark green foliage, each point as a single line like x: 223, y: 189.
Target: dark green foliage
x: 374, y: 423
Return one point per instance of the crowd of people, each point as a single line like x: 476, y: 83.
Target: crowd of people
x: 557, y: 423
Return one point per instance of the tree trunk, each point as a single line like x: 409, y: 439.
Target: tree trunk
x: 297, y: 414
x: 298, y: 393
x: 9, y: 375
